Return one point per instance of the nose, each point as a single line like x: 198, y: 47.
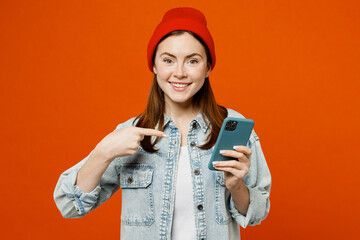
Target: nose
x: 180, y: 71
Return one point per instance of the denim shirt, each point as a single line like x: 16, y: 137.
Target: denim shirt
x: 148, y: 183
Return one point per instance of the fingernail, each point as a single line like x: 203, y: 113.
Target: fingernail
x: 236, y: 147
x: 165, y: 135
x: 215, y: 164
x: 222, y: 151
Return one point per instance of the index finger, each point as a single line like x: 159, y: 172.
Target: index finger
x: 152, y: 132
x: 243, y: 149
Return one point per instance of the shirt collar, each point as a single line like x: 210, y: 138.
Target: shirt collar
x: 202, y: 122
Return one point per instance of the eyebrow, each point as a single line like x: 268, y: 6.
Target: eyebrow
x: 188, y: 56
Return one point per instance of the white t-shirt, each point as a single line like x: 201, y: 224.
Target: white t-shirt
x: 183, y: 227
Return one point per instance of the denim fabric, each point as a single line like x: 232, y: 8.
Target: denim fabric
x: 148, y: 188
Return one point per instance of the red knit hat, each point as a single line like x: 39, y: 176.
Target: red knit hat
x: 183, y: 18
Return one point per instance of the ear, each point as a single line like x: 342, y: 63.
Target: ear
x: 154, y: 69
x: 208, y: 71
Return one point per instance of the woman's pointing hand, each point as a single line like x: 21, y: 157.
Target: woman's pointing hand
x: 124, y: 141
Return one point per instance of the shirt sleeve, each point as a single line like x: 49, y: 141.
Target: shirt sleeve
x: 73, y: 202
x: 258, y: 181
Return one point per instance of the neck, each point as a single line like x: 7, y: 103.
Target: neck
x: 181, y: 112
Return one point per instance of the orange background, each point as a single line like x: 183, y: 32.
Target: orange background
x: 70, y: 71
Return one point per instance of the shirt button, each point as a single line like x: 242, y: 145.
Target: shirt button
x: 192, y: 144
x: 200, y: 207
x: 130, y: 180
x: 196, y: 171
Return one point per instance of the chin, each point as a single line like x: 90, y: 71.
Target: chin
x: 180, y: 100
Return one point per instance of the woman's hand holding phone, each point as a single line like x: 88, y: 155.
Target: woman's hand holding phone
x: 233, y: 158
x: 235, y: 170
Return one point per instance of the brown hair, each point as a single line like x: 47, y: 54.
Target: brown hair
x: 204, y: 99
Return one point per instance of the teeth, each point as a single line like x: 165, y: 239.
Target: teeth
x: 179, y: 84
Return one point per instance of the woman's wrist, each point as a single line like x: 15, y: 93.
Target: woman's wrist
x: 240, y: 188
x: 241, y: 198
x: 101, y: 156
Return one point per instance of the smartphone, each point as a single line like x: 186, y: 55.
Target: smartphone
x: 234, y: 132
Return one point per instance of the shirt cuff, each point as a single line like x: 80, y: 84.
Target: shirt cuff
x: 255, y: 212
x: 83, y: 202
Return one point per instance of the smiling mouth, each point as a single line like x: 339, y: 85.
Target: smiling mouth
x: 180, y: 85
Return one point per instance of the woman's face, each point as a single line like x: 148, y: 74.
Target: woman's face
x: 181, y: 68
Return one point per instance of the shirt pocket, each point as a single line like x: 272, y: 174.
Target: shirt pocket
x: 137, y: 194
x: 222, y: 200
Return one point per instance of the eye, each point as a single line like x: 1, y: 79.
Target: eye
x: 193, y: 61
x: 167, y: 60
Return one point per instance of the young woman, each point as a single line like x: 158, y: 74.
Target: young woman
x: 160, y: 159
